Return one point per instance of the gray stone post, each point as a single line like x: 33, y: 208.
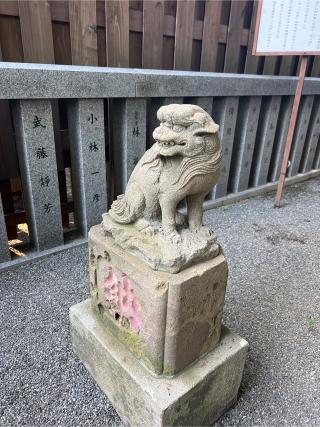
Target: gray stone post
x: 129, y: 132
x: 245, y: 136
x: 312, y: 139
x: 300, y: 134
x: 37, y: 159
x: 316, y: 163
x: 265, y: 140
x: 87, y: 149
x: 225, y: 111
x: 280, y: 138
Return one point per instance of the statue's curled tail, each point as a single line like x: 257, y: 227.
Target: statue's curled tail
x: 128, y: 207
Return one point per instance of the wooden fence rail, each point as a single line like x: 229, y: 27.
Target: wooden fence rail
x: 108, y: 116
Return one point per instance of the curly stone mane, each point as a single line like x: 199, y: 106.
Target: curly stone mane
x: 206, y: 163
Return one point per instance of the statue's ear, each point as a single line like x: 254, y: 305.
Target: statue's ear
x: 209, y: 129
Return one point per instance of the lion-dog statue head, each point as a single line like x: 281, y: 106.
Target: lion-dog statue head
x: 189, y: 132
x: 185, y: 130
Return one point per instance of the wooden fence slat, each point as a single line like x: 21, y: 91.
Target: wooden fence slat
x: 286, y: 66
x: 225, y: 112
x: 83, y: 32
x: 210, y: 36
x: 135, y: 49
x: 87, y: 149
x: 4, y: 248
x: 101, y: 41
x: 184, y: 32
x: 10, y: 38
x: 265, y: 139
x: 280, y: 138
x: 129, y: 129
x: 300, y: 133
x: 62, y: 43
x: 9, y: 167
x: 315, y: 71
x: 37, y: 159
x: 8, y: 154
x: 236, y: 21
x: 36, y: 31
x: 117, y: 33
x: 152, y: 41
x: 245, y: 135
x: 8, y: 207
x: 252, y: 61
x: 312, y: 139
x: 9, y: 7
x: 269, y: 67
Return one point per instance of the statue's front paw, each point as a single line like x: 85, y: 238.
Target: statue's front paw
x: 144, y: 227
x: 202, y: 231
x: 206, y: 231
x: 172, y: 235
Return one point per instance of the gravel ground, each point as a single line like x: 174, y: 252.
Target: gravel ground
x: 273, y: 301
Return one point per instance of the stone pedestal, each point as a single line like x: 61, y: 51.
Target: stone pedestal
x: 197, y: 396
x: 166, y: 320
x: 153, y: 340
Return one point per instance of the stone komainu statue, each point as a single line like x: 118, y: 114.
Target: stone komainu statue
x: 184, y: 163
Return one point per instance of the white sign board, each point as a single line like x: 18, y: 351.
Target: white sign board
x: 287, y: 27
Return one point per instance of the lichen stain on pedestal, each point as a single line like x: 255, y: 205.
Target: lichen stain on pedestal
x: 158, y: 281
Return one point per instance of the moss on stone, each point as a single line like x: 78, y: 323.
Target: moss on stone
x: 128, y: 337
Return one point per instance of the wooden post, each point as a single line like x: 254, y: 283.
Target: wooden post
x: 292, y: 123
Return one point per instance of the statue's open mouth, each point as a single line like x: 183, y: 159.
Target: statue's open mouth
x: 170, y: 143
x: 167, y: 144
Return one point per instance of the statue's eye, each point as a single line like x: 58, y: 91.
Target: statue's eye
x: 178, y: 128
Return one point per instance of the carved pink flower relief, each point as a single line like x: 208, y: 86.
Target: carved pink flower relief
x: 120, y: 298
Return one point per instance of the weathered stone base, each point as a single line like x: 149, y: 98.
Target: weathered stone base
x: 172, y: 319
x: 199, y: 395
x: 158, y: 251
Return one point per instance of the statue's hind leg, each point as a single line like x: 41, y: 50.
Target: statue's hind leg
x: 145, y: 224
